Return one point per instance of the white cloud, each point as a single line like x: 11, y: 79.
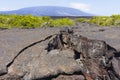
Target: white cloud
x: 80, y: 6
x: 5, y: 9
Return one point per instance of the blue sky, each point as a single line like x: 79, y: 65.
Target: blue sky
x: 98, y: 7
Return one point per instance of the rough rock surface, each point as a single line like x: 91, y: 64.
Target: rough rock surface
x: 14, y: 41
x: 23, y: 54
x: 69, y: 77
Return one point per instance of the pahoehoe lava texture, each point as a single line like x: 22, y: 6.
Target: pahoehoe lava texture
x: 59, y: 54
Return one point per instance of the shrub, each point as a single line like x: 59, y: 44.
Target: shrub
x: 82, y: 20
x: 62, y: 22
x: 29, y: 21
x: 113, y: 20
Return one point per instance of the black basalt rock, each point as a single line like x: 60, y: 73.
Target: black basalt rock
x: 96, y: 56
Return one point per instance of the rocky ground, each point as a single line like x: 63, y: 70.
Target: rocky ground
x: 23, y: 53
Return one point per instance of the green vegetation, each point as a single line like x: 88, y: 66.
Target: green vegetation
x: 29, y: 21
x: 62, y: 22
x: 82, y: 20
x: 113, y: 20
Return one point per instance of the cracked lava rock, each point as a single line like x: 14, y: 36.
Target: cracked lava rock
x: 63, y: 56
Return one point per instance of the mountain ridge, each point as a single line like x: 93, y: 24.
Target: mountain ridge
x: 48, y: 11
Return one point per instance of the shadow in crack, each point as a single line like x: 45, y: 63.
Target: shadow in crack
x: 77, y: 55
x: 117, y: 54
